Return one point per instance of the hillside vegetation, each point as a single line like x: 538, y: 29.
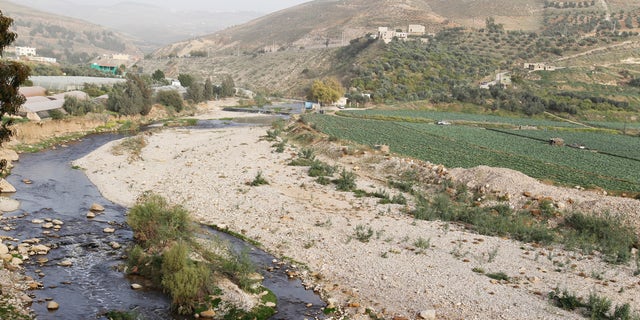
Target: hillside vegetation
x: 591, y: 45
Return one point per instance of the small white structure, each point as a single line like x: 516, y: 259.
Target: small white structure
x: 42, y: 59
x: 120, y: 56
x: 416, y: 30
x: 387, y: 35
x: 539, y: 66
x: 25, y: 51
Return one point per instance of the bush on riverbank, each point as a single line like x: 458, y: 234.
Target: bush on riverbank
x: 163, y: 232
x: 167, y: 253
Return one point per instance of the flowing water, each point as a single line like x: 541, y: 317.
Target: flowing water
x: 92, y: 286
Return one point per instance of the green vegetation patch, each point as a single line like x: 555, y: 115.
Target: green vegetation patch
x: 164, y: 251
x: 470, y: 146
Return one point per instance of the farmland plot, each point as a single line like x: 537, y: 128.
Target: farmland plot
x: 468, y: 146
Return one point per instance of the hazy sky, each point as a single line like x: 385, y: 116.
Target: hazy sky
x: 208, y: 5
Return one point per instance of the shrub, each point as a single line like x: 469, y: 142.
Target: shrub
x: 320, y: 169
x: 130, y: 98
x: 498, y: 276
x: 346, y: 181
x: 56, y: 114
x: 280, y: 146
x: 186, y: 281
x: 363, y: 234
x: 78, y: 107
x: 239, y: 267
x: 598, y: 307
x: 606, y: 234
x: 155, y: 222
x: 565, y: 300
x: 170, y: 98
x: 258, y: 180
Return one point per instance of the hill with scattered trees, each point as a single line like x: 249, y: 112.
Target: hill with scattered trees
x: 66, y: 39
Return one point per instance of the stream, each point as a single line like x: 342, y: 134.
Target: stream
x: 91, y: 285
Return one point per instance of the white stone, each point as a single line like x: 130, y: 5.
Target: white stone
x: 66, y: 263
x: 8, y: 204
x: 16, y: 261
x: 40, y: 249
x: 6, y: 187
x: 136, y: 286
x: 427, y: 315
x: 52, y: 305
x: 109, y: 230
x: 96, y: 208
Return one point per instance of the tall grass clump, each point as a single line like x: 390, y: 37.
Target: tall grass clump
x: 132, y: 146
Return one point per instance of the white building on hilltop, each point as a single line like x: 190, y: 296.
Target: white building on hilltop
x: 387, y: 35
x: 25, y: 51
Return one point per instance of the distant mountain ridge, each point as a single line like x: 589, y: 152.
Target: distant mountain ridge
x: 151, y: 26
x: 335, y: 22
x: 311, y: 24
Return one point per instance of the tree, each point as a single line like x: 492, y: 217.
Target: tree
x: 185, y: 79
x: 130, y: 98
x: 228, y: 87
x: 326, y: 91
x: 79, y: 107
x: 12, y: 74
x: 195, y: 92
x: 492, y: 26
x: 158, y: 75
x: 209, y: 90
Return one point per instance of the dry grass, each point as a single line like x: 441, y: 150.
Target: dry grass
x: 33, y: 132
x: 132, y: 146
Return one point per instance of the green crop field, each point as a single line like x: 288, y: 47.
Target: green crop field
x: 616, y: 144
x: 433, y: 116
x: 469, y: 146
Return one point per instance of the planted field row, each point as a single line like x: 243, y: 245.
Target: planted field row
x: 433, y: 116
x: 621, y: 145
x: 465, y: 146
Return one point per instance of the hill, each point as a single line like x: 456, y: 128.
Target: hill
x: 467, y: 44
x: 311, y: 24
x: 151, y: 26
x: 67, y: 39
